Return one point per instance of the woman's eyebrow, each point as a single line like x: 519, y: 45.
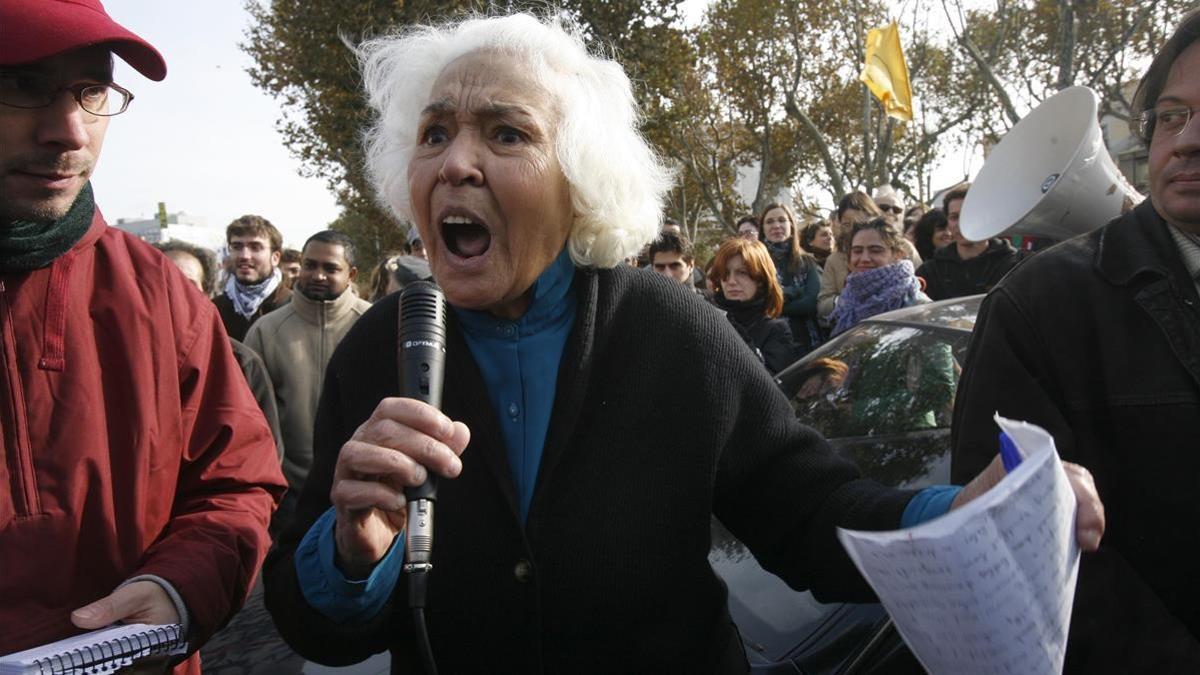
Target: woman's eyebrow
x: 447, y: 106
x: 439, y: 109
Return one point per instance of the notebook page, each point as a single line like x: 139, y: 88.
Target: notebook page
x: 988, y: 587
x: 19, y: 662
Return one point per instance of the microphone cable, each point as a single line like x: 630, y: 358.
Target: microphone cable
x: 422, y: 361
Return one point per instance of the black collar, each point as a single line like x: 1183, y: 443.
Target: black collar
x: 1137, y: 243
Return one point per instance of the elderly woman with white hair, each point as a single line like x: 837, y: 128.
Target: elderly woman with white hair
x: 607, y: 413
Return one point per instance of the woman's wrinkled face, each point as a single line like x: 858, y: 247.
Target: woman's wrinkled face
x: 777, y: 226
x: 488, y: 195
x: 867, y: 251
x: 738, y: 284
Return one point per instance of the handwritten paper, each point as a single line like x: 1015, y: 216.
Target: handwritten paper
x: 986, y: 588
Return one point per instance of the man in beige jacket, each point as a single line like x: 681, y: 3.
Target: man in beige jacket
x: 297, y: 340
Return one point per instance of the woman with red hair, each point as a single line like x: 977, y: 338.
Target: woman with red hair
x: 748, y: 291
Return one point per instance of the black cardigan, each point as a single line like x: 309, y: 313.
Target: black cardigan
x: 662, y: 417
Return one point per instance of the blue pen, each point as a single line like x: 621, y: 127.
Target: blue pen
x: 1009, y: 454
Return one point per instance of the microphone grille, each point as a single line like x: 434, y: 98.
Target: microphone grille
x: 422, y: 308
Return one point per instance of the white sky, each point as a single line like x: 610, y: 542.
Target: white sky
x: 203, y: 140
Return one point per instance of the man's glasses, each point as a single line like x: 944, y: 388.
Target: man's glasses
x: 1167, y: 121
x: 892, y: 208
x: 28, y: 91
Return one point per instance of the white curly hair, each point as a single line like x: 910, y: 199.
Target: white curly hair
x: 617, y: 181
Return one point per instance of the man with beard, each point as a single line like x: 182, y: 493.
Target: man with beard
x: 297, y: 341
x: 137, y: 475
x: 256, y: 285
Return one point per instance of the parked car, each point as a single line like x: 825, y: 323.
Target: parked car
x: 883, y: 394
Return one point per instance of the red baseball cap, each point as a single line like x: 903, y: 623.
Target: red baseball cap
x: 32, y: 30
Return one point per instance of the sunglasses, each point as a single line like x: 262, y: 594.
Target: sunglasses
x: 894, y: 209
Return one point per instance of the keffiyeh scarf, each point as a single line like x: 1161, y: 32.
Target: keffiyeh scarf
x: 247, y: 298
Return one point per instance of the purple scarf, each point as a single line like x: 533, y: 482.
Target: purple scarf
x: 874, y: 292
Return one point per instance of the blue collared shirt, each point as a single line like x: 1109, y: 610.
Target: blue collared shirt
x: 519, y: 363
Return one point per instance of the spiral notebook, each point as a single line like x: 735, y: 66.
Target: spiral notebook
x: 100, y: 651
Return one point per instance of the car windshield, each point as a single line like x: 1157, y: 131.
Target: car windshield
x: 881, y: 379
x: 883, y: 395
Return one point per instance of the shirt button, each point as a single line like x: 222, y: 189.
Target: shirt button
x: 523, y: 571
x: 507, y: 329
x: 513, y: 410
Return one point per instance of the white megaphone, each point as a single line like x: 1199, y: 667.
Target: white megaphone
x: 1050, y: 176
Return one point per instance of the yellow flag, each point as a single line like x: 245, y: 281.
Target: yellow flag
x: 885, y: 73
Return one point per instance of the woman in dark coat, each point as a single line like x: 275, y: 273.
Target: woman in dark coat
x: 748, y: 291
x: 798, y: 273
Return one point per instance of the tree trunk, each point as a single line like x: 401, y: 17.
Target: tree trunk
x: 763, y: 167
x: 1066, y: 44
x: 835, y: 176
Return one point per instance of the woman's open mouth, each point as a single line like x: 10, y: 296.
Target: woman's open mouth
x: 465, y: 237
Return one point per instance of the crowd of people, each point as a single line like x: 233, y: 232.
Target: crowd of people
x: 864, y: 259
x: 285, y: 311
x: 167, y: 419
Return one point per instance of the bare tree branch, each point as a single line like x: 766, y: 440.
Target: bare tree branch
x: 929, y: 138
x: 1119, y: 46
x: 1004, y: 21
x: 984, y: 67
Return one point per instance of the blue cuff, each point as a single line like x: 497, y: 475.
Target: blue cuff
x: 929, y: 504
x: 328, y: 591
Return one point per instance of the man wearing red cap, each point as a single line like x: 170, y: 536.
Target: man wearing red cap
x: 137, y: 476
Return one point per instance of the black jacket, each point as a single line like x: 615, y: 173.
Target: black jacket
x: 1098, y: 341
x: 771, y: 338
x: 260, y: 385
x: 947, y: 275
x: 236, y: 324
x: 662, y: 417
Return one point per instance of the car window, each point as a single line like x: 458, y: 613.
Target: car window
x: 879, y: 379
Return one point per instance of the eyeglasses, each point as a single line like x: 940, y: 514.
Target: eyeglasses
x: 26, y: 91
x: 1171, y: 120
x: 890, y: 207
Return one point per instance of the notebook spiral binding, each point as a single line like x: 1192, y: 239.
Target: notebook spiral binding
x: 110, y: 655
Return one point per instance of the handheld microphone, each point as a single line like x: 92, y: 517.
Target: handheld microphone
x: 422, y: 358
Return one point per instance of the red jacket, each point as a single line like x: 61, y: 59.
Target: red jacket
x: 131, y: 443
